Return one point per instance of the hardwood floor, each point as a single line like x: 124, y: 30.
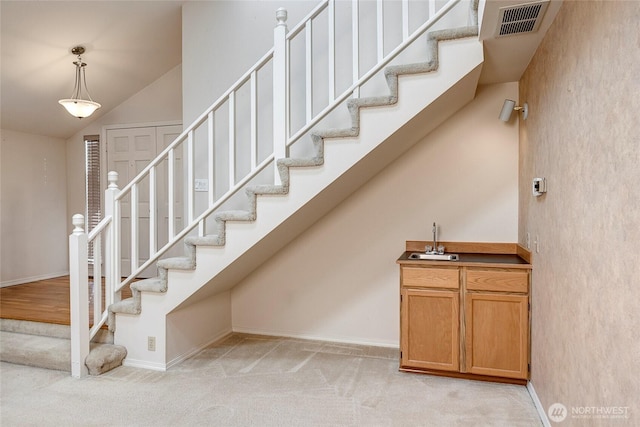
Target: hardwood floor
x: 44, y: 301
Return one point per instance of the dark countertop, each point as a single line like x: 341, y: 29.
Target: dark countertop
x: 509, y: 260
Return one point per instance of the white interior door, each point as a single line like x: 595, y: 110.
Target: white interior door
x: 129, y: 151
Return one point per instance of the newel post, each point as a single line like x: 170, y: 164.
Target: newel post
x: 79, y: 297
x: 112, y: 268
x: 280, y: 91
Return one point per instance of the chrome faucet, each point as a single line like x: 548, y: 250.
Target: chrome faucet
x: 435, y: 229
x: 435, y: 249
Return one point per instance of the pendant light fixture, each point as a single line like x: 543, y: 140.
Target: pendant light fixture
x: 76, y: 105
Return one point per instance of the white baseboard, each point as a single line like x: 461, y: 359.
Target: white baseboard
x: 32, y: 279
x: 315, y: 338
x: 196, y: 350
x: 144, y: 364
x: 163, y: 367
x: 536, y: 401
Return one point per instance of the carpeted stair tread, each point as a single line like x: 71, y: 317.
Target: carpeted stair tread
x: 266, y: 190
x: 55, y: 353
x: 236, y: 215
x: 177, y: 263
x: 209, y: 240
x: 154, y: 284
x: 35, y: 328
x: 36, y: 350
x: 126, y: 306
x: 49, y: 330
x: 105, y: 357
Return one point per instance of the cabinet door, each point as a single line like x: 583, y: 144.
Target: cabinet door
x: 497, y: 334
x: 430, y: 329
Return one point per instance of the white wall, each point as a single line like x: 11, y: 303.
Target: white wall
x: 196, y: 326
x: 159, y: 102
x: 339, y: 281
x: 33, y: 208
x: 221, y: 40
x: 43, y: 183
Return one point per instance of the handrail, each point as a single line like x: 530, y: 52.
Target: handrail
x: 196, y: 221
x: 372, y: 72
x: 310, y: 16
x: 102, y: 225
x: 197, y: 122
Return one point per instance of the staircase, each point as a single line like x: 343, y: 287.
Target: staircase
x: 222, y: 245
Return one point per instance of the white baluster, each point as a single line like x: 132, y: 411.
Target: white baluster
x: 405, y: 19
x: 308, y: 38
x: 190, y: 178
x: 380, y: 29
x: 232, y: 139
x: 171, y: 192
x: 97, y: 279
x: 110, y: 260
x: 79, y: 297
x: 211, y: 158
x: 153, y: 209
x: 134, y: 236
x: 355, y: 45
x: 331, y: 56
x: 254, y: 121
x: 280, y: 92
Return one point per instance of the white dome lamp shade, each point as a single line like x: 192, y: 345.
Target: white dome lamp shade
x: 76, y: 105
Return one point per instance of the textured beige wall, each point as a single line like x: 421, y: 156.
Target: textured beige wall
x: 583, y: 89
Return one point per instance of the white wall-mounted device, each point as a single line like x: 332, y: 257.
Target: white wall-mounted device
x: 201, y: 185
x: 539, y: 186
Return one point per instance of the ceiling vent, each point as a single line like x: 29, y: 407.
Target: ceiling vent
x: 521, y: 18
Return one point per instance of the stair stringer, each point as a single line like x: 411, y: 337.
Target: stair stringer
x: 382, y: 129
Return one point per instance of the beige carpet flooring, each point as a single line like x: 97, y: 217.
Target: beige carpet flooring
x: 262, y: 381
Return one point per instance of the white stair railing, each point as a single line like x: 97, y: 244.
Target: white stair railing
x: 83, y: 328
x: 202, y: 139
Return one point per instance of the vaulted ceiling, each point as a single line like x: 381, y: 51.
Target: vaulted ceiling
x: 129, y: 44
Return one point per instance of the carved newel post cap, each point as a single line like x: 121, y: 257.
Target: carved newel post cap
x: 112, y: 177
x: 281, y: 16
x: 78, y: 222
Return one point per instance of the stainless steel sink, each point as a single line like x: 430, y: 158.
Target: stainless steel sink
x: 434, y: 257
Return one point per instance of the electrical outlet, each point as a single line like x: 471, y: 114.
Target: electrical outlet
x: 537, y: 243
x: 151, y: 343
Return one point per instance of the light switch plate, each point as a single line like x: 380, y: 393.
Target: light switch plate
x: 201, y: 185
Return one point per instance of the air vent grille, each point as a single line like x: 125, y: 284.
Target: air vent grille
x: 520, y: 19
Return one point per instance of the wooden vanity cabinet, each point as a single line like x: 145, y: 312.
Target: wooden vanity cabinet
x: 465, y: 320
x: 430, y: 313
x: 497, y: 323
